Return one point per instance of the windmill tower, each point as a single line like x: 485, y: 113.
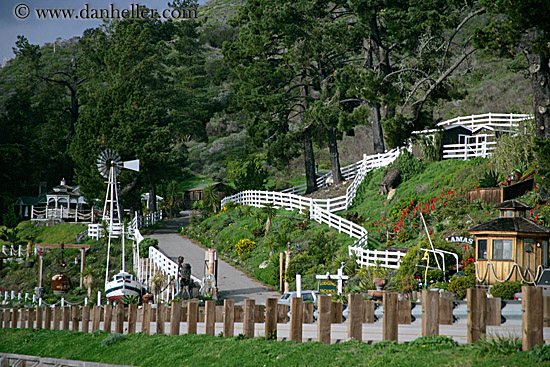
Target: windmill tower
x: 109, y: 165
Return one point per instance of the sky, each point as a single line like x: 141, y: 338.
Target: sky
x: 40, y: 31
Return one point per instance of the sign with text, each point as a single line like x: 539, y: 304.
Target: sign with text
x: 327, y: 287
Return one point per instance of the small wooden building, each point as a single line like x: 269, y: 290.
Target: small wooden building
x: 196, y: 193
x: 510, y: 247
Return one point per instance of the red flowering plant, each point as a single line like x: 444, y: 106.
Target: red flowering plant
x: 404, y: 222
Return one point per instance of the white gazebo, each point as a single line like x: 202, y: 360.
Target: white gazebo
x: 63, y: 202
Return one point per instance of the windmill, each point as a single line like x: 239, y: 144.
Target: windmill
x: 110, y: 165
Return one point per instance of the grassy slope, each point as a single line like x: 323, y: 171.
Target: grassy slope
x: 202, y: 350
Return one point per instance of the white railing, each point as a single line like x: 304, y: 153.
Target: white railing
x: 337, y: 222
x: 467, y: 151
x: 168, y: 266
x: 499, y: 121
x: 384, y: 258
x: 96, y: 232
x: 76, y: 215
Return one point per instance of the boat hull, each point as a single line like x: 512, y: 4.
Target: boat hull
x: 117, y: 289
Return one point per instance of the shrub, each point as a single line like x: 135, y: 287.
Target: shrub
x: 244, y: 247
x: 145, y: 244
x: 505, y: 290
x: 300, y: 264
x: 459, y: 285
x: 112, y: 339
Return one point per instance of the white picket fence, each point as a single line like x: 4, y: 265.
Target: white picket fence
x: 499, y: 121
x: 322, y: 210
x: 384, y: 258
x: 139, y: 221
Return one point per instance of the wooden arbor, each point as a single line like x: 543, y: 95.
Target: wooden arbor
x: 511, y: 246
x: 42, y: 246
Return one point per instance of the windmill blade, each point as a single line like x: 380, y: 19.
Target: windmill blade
x: 133, y: 165
x: 104, y: 161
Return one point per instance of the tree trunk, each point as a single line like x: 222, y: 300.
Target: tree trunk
x: 152, y: 201
x: 334, y: 156
x: 377, y: 132
x: 540, y: 78
x: 309, y: 160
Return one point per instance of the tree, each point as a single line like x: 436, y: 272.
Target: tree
x: 409, y: 51
x: 129, y: 105
x: 523, y: 27
x: 247, y: 175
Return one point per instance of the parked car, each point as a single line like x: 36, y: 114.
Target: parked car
x: 307, y: 296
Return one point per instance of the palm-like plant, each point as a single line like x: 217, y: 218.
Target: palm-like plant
x: 157, y: 283
x: 11, y: 236
x: 88, y: 279
x: 270, y: 211
x: 210, y: 197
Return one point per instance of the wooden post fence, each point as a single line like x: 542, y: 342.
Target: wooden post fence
x: 270, y: 319
x: 192, y: 316
x: 14, y: 317
x: 493, y: 311
x: 85, y: 319
x: 336, y: 312
x: 210, y: 317
x: 546, y: 311
x: 96, y: 317
x: 161, y: 318
x: 477, y: 314
x: 389, y: 320
x: 119, y: 318
x: 368, y: 311
x: 132, y: 318
x: 39, y: 317
x: 228, y: 317
x: 324, y: 319
x: 30, y: 318
x: 146, y: 318
x: 107, y: 318
x: 445, y: 311
x: 430, y: 313
x: 47, y: 318
x: 75, y: 318
x: 282, y: 314
x: 404, y: 311
x: 175, y: 318
x: 355, y: 317
x: 296, y: 318
x: 308, y: 313
x: 66, y: 317
x: 248, y: 325
x: 532, y: 320
x: 56, y: 317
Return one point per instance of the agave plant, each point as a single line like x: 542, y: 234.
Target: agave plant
x: 491, y: 178
x: 129, y: 299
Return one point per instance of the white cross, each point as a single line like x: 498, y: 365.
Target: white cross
x: 339, y: 276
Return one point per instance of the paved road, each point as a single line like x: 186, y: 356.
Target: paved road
x: 232, y: 283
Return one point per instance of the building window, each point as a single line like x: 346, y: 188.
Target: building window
x: 482, y: 249
x: 502, y: 250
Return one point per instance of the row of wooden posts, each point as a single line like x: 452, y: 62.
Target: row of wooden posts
x: 482, y: 311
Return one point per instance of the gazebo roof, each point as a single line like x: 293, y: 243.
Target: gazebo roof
x: 512, y: 204
x: 511, y: 224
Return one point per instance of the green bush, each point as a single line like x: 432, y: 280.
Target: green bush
x: 459, y: 285
x: 505, y: 290
x: 112, y: 339
x: 145, y: 244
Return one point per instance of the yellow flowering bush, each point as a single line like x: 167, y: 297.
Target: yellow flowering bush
x: 244, y: 247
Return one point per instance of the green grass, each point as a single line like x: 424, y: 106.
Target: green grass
x: 202, y: 350
x: 65, y: 233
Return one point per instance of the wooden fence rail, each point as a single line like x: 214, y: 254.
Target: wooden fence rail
x: 215, y: 320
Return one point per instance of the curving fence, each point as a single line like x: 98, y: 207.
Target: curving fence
x: 321, y: 210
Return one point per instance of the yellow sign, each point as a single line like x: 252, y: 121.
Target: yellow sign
x: 327, y: 287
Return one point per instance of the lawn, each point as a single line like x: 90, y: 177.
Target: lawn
x: 203, y: 350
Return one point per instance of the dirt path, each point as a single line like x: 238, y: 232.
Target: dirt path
x: 232, y: 283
